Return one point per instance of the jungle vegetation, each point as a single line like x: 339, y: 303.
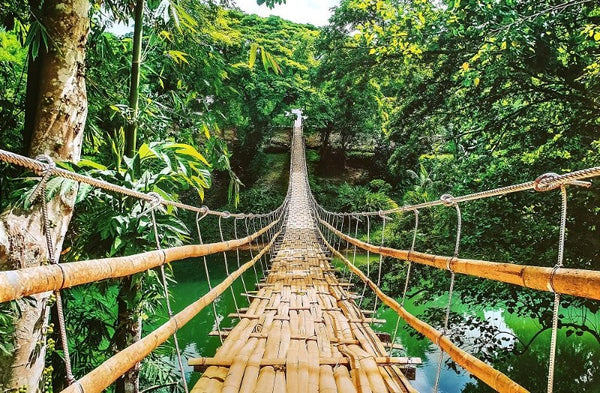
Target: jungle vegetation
x: 404, y: 101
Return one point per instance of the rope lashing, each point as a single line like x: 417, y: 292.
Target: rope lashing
x: 214, y: 307
x: 384, y: 218
x: 166, y: 289
x: 449, y: 201
x: 237, y: 309
x: 41, y: 192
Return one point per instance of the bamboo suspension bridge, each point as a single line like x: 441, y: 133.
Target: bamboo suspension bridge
x: 303, y: 329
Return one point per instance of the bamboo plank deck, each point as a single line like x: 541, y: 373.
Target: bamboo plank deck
x: 302, y: 332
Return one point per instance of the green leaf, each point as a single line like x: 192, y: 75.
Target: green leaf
x: 188, y: 150
x: 252, y: 59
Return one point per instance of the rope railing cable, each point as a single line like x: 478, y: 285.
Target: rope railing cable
x: 544, y: 182
x: 40, y: 166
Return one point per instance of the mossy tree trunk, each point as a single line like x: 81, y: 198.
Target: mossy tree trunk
x: 56, y: 113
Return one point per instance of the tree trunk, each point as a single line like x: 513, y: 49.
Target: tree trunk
x: 129, y: 328
x: 55, y: 128
x: 129, y: 323
x: 134, y: 86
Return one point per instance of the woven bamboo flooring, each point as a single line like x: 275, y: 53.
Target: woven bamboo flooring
x: 302, y: 332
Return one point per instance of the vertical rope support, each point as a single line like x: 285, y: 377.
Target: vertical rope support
x: 448, y: 200
x: 262, y: 264
x: 262, y: 240
x: 559, y: 264
x: 362, y: 295
x: 237, y: 309
x: 41, y: 192
x: 408, y: 271
x: 237, y: 255
x: 347, y: 270
x: 214, y: 307
x: 354, y: 250
x: 251, y: 252
x: 167, y: 298
x: 383, y: 219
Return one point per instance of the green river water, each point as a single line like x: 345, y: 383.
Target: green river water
x: 578, y: 360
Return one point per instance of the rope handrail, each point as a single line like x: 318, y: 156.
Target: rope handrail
x: 15, y: 284
x: 544, y: 182
x: 476, y: 367
x: 568, y: 281
x: 42, y: 166
x: 108, y: 372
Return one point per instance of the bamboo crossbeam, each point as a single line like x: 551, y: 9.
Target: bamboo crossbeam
x: 15, y: 284
x: 487, y: 374
x: 201, y: 363
x: 104, y: 375
x: 575, y: 282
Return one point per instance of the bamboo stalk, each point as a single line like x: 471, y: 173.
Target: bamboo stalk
x: 492, y: 377
x: 15, y: 284
x: 343, y: 380
x: 266, y: 380
x: 575, y: 282
x: 105, y: 374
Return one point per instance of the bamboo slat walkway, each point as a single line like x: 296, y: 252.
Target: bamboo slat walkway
x: 303, y: 332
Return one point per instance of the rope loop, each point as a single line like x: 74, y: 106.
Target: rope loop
x: 544, y: 182
x: 226, y: 214
x: 48, y: 162
x: 156, y: 200
x: 551, y: 279
x: 45, y: 173
x: 448, y: 200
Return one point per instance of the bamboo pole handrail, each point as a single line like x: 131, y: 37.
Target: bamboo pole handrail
x: 575, y: 282
x: 104, y: 375
x: 486, y: 373
x: 15, y: 284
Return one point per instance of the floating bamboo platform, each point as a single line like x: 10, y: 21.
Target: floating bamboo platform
x: 302, y: 332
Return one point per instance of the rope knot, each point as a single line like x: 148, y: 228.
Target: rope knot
x: 448, y: 200
x: 204, y: 209
x: 48, y: 162
x: 545, y: 182
x: 226, y: 214
x: 155, y: 201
